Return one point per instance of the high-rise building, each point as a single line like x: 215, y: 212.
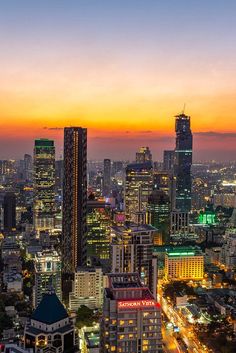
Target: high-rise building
x: 185, y: 263
x: 131, y: 251
x: 166, y: 181
x: 44, y: 184
x: 169, y: 161
x: 74, y: 199
x: 47, y: 274
x: 28, y: 166
x: 98, y: 231
x: 131, y: 320
x: 144, y: 155
x: 183, y: 162
x: 179, y: 223
x: 87, y: 288
x: 158, y: 214
x: 106, y: 177
x: 59, y: 176
x: 7, y: 167
x: 9, y: 207
x: 138, y: 186
x: 117, y: 166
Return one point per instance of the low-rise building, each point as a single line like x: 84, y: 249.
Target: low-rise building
x: 184, y: 263
x: 50, y: 329
x: 89, y: 340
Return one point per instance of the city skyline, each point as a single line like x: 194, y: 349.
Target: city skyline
x: 117, y: 176
x: 96, y: 66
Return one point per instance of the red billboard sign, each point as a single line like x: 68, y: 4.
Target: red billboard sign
x: 129, y: 304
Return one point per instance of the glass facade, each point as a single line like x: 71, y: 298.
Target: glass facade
x: 138, y: 187
x: 183, y: 162
x: 44, y: 184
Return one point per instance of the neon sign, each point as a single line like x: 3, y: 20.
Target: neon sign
x: 136, y: 304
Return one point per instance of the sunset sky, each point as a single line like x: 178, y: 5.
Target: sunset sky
x: 121, y: 68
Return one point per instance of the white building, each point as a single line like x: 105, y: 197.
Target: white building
x: 87, y: 288
x: 47, y: 274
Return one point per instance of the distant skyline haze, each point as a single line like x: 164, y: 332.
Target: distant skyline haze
x: 123, y: 69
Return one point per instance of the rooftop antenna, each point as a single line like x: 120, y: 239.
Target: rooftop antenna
x: 183, y: 111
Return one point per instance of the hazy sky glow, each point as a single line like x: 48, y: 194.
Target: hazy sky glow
x: 122, y: 68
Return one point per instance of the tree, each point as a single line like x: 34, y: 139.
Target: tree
x: 85, y: 316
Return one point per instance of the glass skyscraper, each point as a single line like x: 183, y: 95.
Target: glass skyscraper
x: 44, y: 184
x: 107, y: 177
x: 183, y: 162
x: 138, y: 186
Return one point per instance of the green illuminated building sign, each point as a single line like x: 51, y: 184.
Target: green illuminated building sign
x: 207, y: 218
x: 186, y: 253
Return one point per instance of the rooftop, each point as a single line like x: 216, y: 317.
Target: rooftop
x: 124, y: 280
x: 93, y: 339
x: 139, y: 166
x: 178, y: 250
x: 49, y: 310
x: 133, y: 227
x: 184, y: 251
x: 127, y: 282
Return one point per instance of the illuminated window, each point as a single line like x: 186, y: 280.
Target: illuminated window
x: 121, y: 322
x: 113, y: 348
x: 121, y: 337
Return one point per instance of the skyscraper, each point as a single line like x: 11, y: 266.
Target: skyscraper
x: 44, y: 184
x: 47, y: 274
x: 98, y: 231
x: 9, y: 206
x: 74, y: 199
x: 106, y: 177
x: 168, y: 160
x: 28, y: 167
x: 166, y: 181
x: 183, y: 163
x: 131, y: 251
x: 158, y: 213
x: 144, y: 155
x: 138, y: 186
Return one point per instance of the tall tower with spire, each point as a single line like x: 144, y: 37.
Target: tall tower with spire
x: 183, y: 162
